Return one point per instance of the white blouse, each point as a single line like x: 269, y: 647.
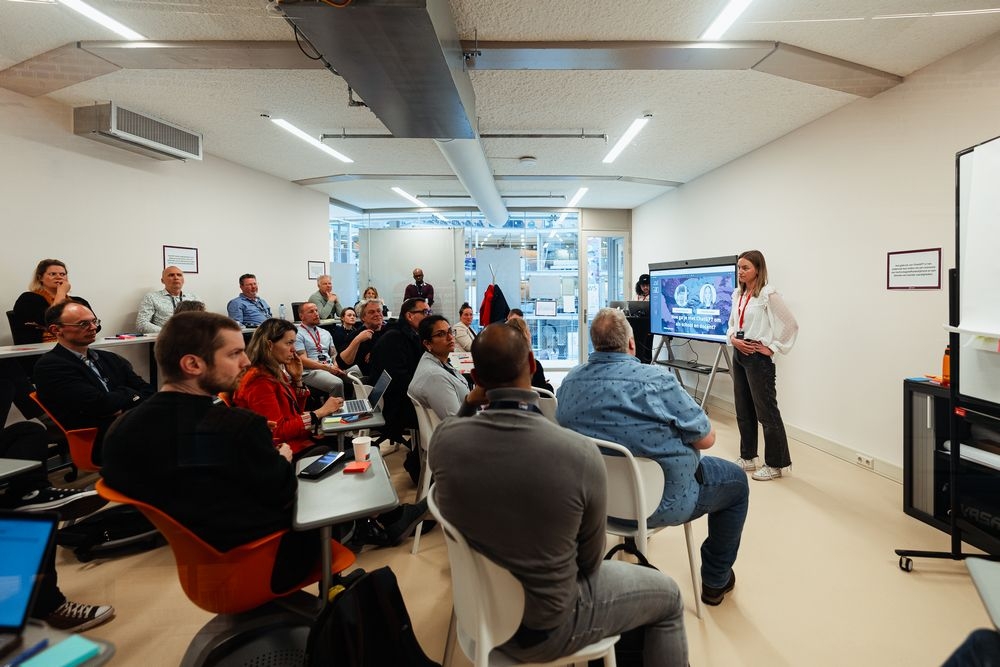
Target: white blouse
x: 766, y: 318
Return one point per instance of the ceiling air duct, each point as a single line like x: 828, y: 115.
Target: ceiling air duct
x: 136, y: 132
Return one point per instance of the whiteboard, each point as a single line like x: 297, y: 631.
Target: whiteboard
x: 978, y: 251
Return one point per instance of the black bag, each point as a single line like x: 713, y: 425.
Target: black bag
x: 365, y: 625
x: 117, y: 531
x: 628, y: 650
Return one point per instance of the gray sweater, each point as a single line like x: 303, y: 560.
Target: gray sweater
x: 528, y: 494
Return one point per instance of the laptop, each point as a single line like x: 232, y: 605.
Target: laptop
x: 359, y: 405
x: 25, y: 539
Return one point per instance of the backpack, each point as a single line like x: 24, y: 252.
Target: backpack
x: 117, y: 531
x: 367, y: 624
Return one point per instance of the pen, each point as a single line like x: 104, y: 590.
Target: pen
x: 24, y: 655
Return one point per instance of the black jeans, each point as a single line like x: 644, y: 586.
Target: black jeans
x: 757, y: 400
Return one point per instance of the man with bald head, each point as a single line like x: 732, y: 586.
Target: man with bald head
x: 532, y: 497
x: 157, y: 306
x: 80, y: 386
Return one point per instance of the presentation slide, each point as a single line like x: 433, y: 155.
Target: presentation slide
x: 692, y: 302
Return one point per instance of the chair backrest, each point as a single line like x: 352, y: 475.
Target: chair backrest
x: 361, y: 390
x: 295, y: 310
x: 635, y: 486
x: 489, y: 600
x: 427, y: 421
x: 12, y: 322
x: 81, y: 441
x: 547, y: 403
x: 222, y: 582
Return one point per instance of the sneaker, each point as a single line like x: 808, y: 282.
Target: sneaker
x: 748, y: 465
x: 404, y: 526
x: 70, y: 503
x: 75, y: 616
x: 714, y: 596
x: 766, y: 474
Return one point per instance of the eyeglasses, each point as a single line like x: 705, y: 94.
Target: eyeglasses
x: 425, y: 311
x: 82, y: 324
x: 444, y: 334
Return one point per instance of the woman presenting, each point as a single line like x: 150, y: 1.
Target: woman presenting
x: 272, y: 386
x: 760, y: 324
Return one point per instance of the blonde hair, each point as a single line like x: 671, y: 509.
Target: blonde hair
x: 522, y: 326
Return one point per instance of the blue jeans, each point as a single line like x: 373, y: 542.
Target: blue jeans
x: 618, y: 596
x: 756, y: 400
x: 725, y: 498
x: 980, y: 649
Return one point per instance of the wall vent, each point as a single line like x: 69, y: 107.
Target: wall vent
x: 136, y: 132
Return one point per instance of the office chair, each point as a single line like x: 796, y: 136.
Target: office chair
x: 547, y: 403
x: 427, y: 421
x: 635, y: 486
x: 81, y: 441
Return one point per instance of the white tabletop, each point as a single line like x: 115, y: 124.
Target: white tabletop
x: 38, y: 349
x: 340, y: 497
x: 11, y: 467
x: 986, y: 577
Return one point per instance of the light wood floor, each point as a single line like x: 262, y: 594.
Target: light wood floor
x: 818, y: 583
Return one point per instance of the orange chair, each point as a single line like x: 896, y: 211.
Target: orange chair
x: 228, y: 582
x: 81, y: 441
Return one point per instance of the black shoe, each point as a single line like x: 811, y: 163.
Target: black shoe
x: 367, y: 533
x: 70, y: 503
x: 411, y: 464
x: 403, y: 527
x: 714, y: 596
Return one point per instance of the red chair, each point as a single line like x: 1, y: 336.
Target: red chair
x: 81, y: 441
x: 228, y: 582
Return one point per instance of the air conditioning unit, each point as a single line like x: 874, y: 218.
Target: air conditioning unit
x: 136, y: 132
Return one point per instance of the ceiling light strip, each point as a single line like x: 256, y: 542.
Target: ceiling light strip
x: 575, y: 199
x: 312, y: 141
x: 626, y: 138
x: 726, y: 18
x: 103, y: 19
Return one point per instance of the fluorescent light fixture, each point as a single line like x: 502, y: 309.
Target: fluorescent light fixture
x: 406, y: 195
x: 313, y: 141
x: 103, y: 19
x: 726, y: 18
x: 629, y: 135
x: 575, y: 199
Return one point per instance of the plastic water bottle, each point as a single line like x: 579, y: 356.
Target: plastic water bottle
x: 281, y: 311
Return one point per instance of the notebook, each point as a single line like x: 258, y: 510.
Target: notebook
x: 25, y: 539
x: 359, y: 405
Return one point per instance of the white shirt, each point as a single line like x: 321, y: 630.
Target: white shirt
x: 156, y: 308
x: 766, y: 318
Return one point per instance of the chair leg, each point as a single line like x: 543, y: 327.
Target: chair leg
x: 423, y: 488
x: 695, y: 571
x: 450, y: 641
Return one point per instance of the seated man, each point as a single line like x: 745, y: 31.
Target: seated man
x: 398, y: 352
x: 82, y: 387
x: 436, y: 384
x: 157, y: 307
x: 248, y: 309
x: 324, y: 298
x: 531, y: 496
x: 315, y: 347
x: 644, y: 408
x: 359, y: 351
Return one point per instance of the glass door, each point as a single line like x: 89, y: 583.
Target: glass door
x: 603, y: 271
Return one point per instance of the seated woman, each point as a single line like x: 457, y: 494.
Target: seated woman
x: 348, y: 328
x: 272, y: 386
x: 538, y: 379
x: 372, y: 293
x: 49, y: 286
x: 464, y: 335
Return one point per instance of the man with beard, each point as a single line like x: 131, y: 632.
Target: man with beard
x: 237, y: 486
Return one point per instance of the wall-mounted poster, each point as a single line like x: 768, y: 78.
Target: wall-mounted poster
x: 914, y: 269
x: 316, y: 269
x: 185, y: 259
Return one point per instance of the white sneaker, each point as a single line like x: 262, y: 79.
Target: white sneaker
x: 766, y: 474
x: 748, y: 465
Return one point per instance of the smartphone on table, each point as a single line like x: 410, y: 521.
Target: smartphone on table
x: 322, y: 465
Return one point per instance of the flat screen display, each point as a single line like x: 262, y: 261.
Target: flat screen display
x: 692, y: 298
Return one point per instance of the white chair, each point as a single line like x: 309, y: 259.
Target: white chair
x: 547, y: 403
x: 635, y: 487
x: 489, y: 605
x: 427, y: 421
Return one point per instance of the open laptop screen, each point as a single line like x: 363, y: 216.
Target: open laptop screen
x: 24, y: 541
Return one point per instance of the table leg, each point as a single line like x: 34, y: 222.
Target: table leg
x: 326, y: 534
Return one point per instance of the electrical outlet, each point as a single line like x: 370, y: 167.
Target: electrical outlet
x: 865, y: 461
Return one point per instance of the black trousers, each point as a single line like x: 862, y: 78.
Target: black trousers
x: 756, y: 400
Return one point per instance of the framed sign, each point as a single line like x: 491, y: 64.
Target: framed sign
x: 185, y: 259
x: 914, y: 269
x: 316, y: 269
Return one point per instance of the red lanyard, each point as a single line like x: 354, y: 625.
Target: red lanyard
x: 742, y: 308
x: 316, y: 339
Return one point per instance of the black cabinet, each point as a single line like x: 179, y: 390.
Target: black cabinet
x: 926, y: 478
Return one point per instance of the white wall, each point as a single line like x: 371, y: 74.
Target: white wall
x: 825, y: 204
x: 107, y: 213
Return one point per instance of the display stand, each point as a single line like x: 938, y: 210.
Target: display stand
x: 974, y: 396
x: 678, y: 365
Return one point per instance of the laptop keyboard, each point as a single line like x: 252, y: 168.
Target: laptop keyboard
x: 357, y: 405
